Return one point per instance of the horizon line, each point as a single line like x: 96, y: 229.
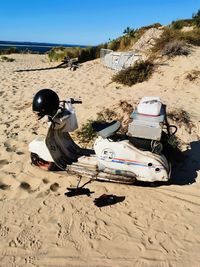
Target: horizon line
x: 33, y: 42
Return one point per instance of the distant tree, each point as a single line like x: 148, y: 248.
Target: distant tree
x: 129, y: 31
x: 196, y: 18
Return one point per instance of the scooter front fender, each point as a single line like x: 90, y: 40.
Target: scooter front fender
x: 38, y: 146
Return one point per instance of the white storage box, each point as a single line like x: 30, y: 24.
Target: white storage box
x: 148, y: 119
x: 143, y: 129
x: 150, y: 105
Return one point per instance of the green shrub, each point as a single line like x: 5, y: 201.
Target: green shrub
x: 83, y: 54
x: 88, y: 53
x: 196, y: 19
x: 177, y: 25
x: 154, y: 25
x: 8, y: 51
x: 175, y: 48
x: 58, y: 53
x: 86, y: 133
x: 129, y: 32
x: 120, y: 112
x: 114, y: 44
x: 141, y: 71
x: 7, y: 59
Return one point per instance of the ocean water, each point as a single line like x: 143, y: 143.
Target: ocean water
x: 33, y: 46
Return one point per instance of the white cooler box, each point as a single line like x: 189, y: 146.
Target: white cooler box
x: 148, y: 119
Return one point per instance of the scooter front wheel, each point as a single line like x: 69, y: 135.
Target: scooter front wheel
x: 43, y: 164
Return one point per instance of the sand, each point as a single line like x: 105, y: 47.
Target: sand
x: 41, y: 226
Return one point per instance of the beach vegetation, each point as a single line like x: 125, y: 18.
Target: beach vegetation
x: 86, y: 133
x: 6, y: 59
x: 129, y: 32
x: 175, y: 48
x: 139, y: 32
x: 177, y: 40
x: 129, y: 37
x: 121, y: 113
x: 192, y: 37
x: 177, y: 25
x: 114, y: 44
x: 141, y: 71
x: 83, y: 54
x: 181, y: 118
x: 89, y: 53
x: 196, y: 19
x: 8, y: 51
x: 180, y: 23
x: 57, y: 53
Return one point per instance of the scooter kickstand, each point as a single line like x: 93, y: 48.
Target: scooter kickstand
x: 79, y: 190
x: 80, y: 177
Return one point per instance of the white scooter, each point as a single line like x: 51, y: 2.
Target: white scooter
x: 138, y: 155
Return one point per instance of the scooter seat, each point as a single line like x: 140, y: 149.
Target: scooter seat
x: 106, y: 129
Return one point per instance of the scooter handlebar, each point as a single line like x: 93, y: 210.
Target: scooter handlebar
x: 76, y: 101
x: 72, y: 101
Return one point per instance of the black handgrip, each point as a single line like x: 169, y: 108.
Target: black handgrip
x: 75, y: 101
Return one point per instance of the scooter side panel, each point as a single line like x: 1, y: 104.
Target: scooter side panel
x: 121, y: 156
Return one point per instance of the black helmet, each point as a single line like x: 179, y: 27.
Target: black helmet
x: 45, y: 102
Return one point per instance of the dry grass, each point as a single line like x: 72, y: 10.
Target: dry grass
x: 175, y: 48
x: 173, y: 38
x: 181, y: 118
x: 193, y: 75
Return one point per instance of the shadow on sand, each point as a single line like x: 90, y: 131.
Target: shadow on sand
x: 50, y: 68
x: 186, y: 172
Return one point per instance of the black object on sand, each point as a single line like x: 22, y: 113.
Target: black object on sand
x: 107, y: 200
x: 72, y: 192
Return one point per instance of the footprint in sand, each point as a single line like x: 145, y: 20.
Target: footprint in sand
x: 3, y: 162
x: 26, y: 239
x: 4, y: 230
x: 30, y: 260
x: 9, y: 148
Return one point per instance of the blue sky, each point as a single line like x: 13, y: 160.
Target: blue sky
x: 85, y: 22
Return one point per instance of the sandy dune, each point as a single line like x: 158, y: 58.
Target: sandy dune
x: 41, y: 226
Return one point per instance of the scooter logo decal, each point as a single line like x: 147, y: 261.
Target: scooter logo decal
x: 107, y: 154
